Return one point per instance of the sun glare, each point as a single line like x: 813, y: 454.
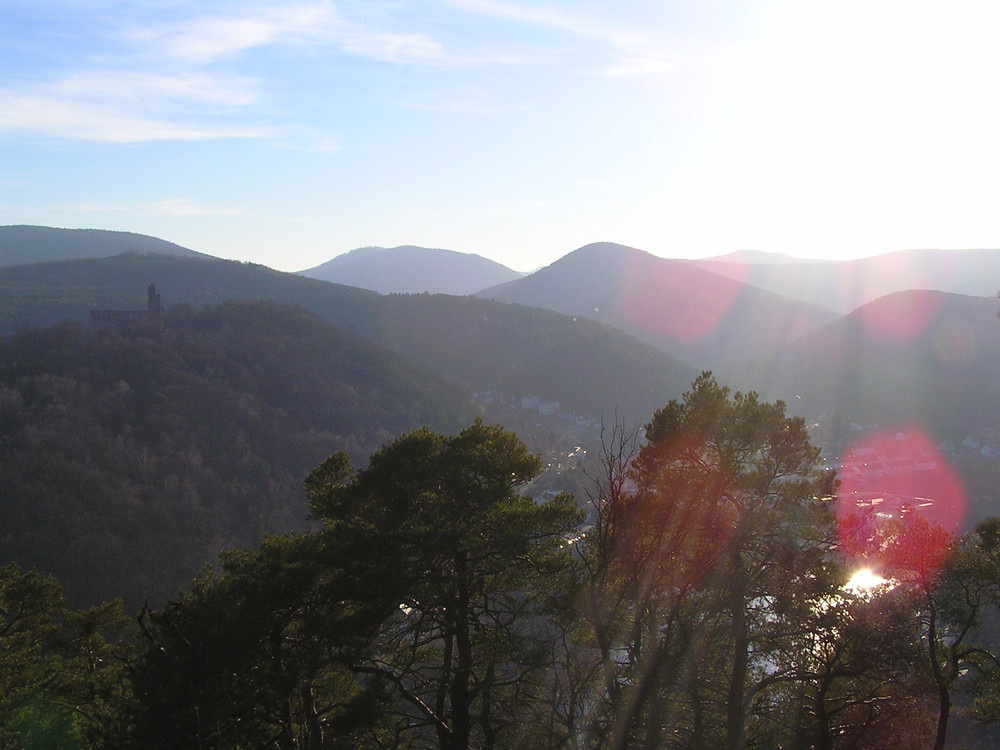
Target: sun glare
x: 864, y: 580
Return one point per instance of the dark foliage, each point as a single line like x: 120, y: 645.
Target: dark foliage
x: 510, y: 349
x: 21, y: 244
x: 416, y: 617
x: 127, y: 462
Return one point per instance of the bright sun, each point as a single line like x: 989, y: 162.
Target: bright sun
x: 864, y: 580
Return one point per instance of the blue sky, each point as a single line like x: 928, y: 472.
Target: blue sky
x: 288, y: 133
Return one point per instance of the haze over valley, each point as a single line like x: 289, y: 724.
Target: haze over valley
x: 499, y: 374
x: 607, y: 331
x: 133, y: 454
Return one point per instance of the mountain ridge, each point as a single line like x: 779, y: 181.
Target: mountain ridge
x: 511, y: 349
x: 409, y: 269
x: 22, y: 244
x: 848, y: 284
x: 703, y: 318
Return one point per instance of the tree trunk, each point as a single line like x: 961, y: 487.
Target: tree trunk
x: 314, y: 728
x: 735, y: 713
x: 944, y: 709
x: 823, y: 739
x: 944, y: 697
x: 697, y: 710
x: 461, y: 710
x: 286, y: 732
x: 441, y: 699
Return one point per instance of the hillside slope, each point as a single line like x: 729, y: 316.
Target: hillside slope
x: 30, y: 244
x: 847, y: 285
x: 127, y: 462
x: 589, y: 368
x: 409, y: 269
x: 924, y: 357
x: 708, y: 320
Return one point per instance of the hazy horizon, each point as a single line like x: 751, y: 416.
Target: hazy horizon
x: 517, y: 131
x: 746, y: 255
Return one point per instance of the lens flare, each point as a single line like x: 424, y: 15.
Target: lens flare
x: 900, y: 503
x: 677, y: 300
x: 864, y: 580
x: 904, y: 315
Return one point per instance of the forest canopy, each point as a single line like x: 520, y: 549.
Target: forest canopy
x: 428, y: 600
x: 128, y: 460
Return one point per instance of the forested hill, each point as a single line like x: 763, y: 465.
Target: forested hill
x: 21, y: 244
x: 917, y: 356
x: 127, y: 462
x: 48, y: 293
x: 590, y: 368
x: 411, y: 269
x: 711, y: 321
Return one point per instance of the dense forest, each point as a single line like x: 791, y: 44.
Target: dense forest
x: 434, y: 605
x: 287, y: 524
x: 510, y: 349
x: 128, y: 460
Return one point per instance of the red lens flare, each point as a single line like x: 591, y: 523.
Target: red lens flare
x: 901, y: 316
x: 900, y: 503
x: 676, y: 300
x: 679, y: 522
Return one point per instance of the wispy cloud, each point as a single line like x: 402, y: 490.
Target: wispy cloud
x: 508, y: 209
x: 552, y: 18
x: 642, y: 66
x: 116, y: 106
x: 92, y: 208
x: 309, y: 139
x: 384, y: 37
x: 154, y: 90
x: 392, y: 47
x: 636, y: 52
x: 21, y: 211
x: 187, y: 207
x: 459, y: 101
x: 47, y: 115
x: 207, y: 38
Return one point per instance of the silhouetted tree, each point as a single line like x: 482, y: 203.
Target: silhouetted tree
x: 721, y: 520
x: 62, y: 672
x: 438, y: 520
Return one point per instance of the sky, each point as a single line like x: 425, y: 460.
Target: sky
x: 286, y: 133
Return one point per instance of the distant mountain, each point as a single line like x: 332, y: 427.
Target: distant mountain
x: 917, y: 362
x: 590, y: 368
x: 709, y: 320
x: 21, y: 244
x: 846, y: 285
x: 924, y: 357
x: 411, y: 269
x: 757, y: 256
x: 128, y: 462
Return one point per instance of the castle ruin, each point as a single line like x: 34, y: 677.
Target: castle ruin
x: 123, y: 320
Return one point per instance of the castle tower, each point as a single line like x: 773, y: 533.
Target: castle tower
x: 155, y: 308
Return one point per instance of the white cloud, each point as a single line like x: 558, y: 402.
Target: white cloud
x: 309, y: 139
x: 51, y: 116
x: 365, y: 32
x: 635, y: 50
x: 460, y: 101
x: 158, y: 89
x: 129, y: 107
x: 389, y: 47
x: 538, y: 15
x: 92, y: 208
x: 641, y: 66
x: 208, y: 38
x: 187, y: 207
